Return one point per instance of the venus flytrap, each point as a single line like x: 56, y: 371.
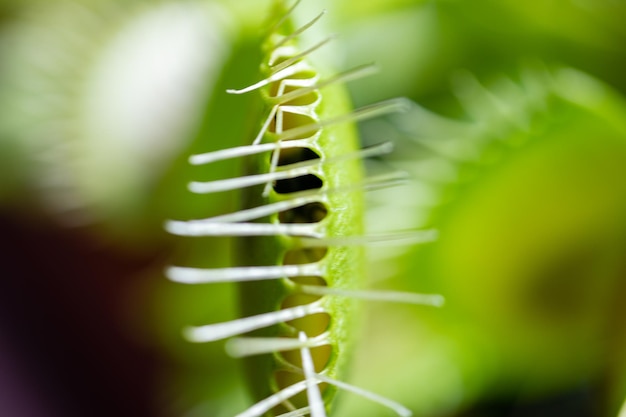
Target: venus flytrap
x: 300, y: 239
x: 76, y: 111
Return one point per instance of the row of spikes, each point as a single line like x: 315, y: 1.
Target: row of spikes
x: 303, y: 235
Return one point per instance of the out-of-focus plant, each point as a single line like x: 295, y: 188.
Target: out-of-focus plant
x: 102, y: 100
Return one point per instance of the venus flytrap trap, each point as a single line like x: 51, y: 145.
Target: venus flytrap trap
x: 299, y: 233
x: 78, y: 81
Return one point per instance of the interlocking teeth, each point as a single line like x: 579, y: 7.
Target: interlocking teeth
x: 306, y: 197
x: 293, y: 122
x: 398, y: 408
x: 288, y: 172
x: 350, y: 75
x: 258, y: 409
x: 367, y: 112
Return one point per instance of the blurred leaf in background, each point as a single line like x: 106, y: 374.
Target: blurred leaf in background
x: 529, y: 154
x: 101, y: 102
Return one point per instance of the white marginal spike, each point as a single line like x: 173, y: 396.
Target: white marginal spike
x: 268, y: 209
x: 385, y: 180
x: 218, y: 331
x: 294, y: 59
x: 434, y: 300
x: 314, y: 396
x: 273, y: 165
x: 276, y: 76
x: 250, y: 180
x: 285, y: 17
x: 375, y: 150
x: 411, y: 237
x: 308, y: 235
x: 307, y: 197
x: 304, y: 411
x: 398, y: 408
x: 239, y: 151
x: 198, y: 228
x: 187, y: 275
x: 263, y: 406
x: 299, y: 31
x: 249, y: 346
x: 266, y: 125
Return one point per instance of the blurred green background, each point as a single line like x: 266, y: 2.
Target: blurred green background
x: 516, y: 150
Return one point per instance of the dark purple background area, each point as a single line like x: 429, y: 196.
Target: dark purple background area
x: 65, y: 347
